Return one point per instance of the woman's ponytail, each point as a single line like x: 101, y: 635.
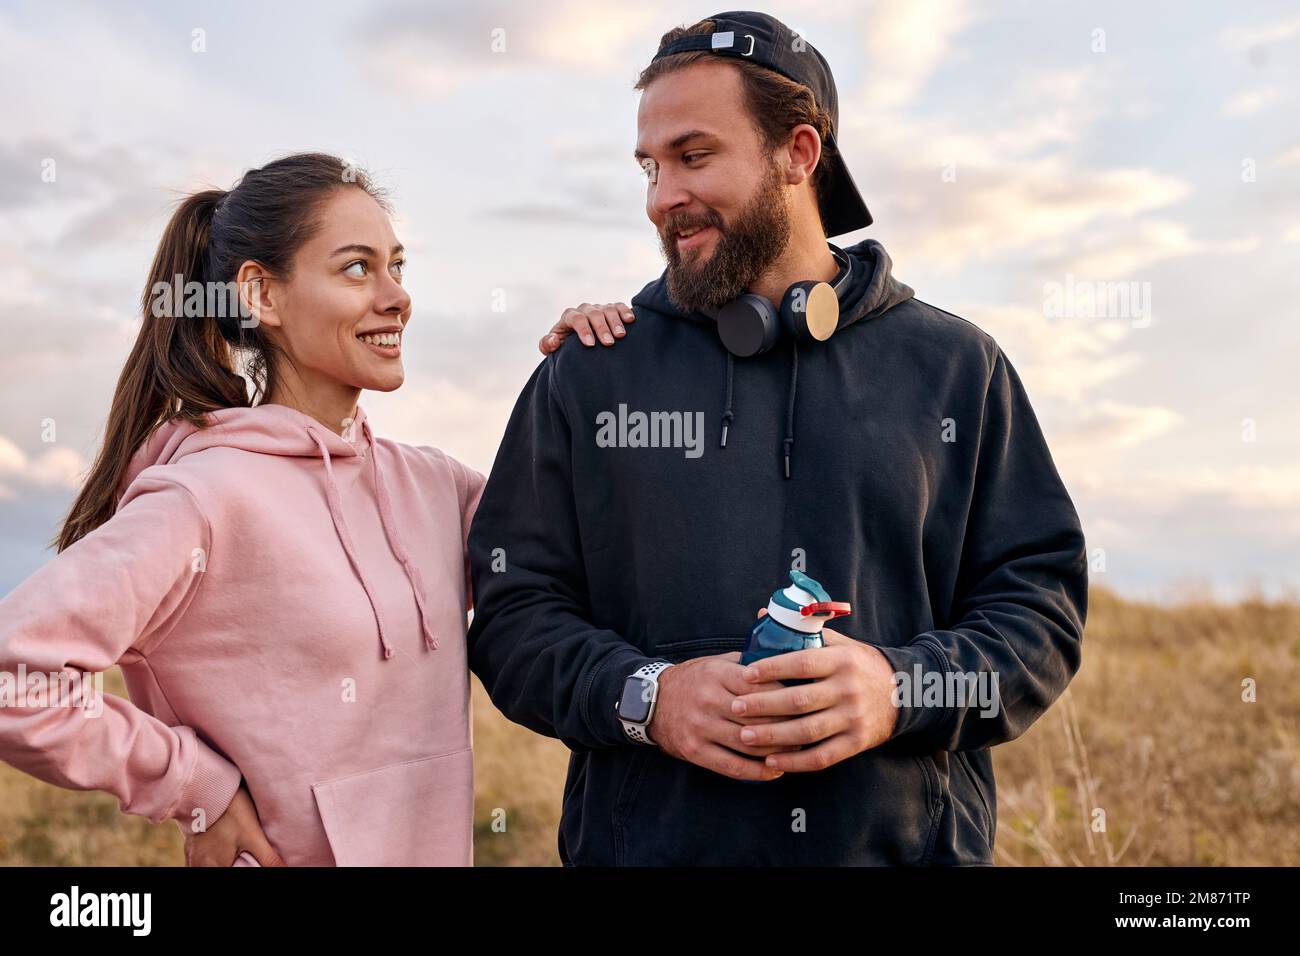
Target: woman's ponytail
x: 179, y: 366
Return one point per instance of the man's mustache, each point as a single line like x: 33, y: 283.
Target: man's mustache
x: 675, y: 226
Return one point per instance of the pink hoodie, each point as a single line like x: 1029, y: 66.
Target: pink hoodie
x: 284, y: 603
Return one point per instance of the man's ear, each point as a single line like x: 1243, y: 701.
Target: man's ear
x: 258, y: 294
x: 804, y: 151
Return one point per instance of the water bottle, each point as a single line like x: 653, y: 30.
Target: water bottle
x: 793, y: 622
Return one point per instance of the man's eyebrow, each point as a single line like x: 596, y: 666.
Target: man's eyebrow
x: 677, y: 143
x: 365, y: 250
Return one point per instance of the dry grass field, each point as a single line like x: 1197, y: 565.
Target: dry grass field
x: 1153, y: 732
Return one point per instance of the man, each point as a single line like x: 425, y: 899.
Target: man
x: 645, y: 503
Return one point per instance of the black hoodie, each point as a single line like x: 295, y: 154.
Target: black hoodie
x: 920, y: 489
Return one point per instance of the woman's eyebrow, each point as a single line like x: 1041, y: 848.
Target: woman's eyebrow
x: 366, y: 250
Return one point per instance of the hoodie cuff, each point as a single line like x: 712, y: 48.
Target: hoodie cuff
x: 211, y: 788
x: 606, y: 689
x: 912, y: 663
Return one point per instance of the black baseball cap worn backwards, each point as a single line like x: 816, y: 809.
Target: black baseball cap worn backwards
x: 765, y: 40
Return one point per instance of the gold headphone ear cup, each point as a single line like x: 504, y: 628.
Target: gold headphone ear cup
x: 823, y: 311
x: 811, y: 310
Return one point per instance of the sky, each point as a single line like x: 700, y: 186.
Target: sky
x: 1110, y: 190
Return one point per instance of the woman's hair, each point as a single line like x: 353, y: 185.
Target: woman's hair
x: 184, y: 361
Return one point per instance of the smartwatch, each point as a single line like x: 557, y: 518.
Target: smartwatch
x: 636, y: 707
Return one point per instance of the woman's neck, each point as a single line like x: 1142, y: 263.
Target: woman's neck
x: 333, y: 405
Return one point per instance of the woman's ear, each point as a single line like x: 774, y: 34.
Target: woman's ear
x: 256, y: 296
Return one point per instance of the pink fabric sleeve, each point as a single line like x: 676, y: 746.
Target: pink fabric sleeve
x: 116, y: 592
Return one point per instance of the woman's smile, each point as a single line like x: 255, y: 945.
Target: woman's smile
x: 385, y: 342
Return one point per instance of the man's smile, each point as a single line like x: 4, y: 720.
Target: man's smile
x: 693, y: 238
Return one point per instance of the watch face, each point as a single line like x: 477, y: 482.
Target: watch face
x: 634, y: 705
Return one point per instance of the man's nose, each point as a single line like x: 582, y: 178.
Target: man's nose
x: 667, y: 195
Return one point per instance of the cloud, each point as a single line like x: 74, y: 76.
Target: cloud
x: 1059, y: 358
x: 1044, y: 205
x: 1288, y: 157
x: 438, y: 47
x: 976, y: 188
x: 595, y: 192
x: 1114, y: 425
x: 23, y: 173
x: 1243, y: 490
x: 71, y: 336
x: 1240, y: 39
x: 544, y: 215
x: 75, y: 196
x: 88, y: 72
x: 1232, y: 530
x: 1114, y: 254
x: 1067, y: 365
x: 1251, y: 101
x: 57, y: 467
x: 907, y: 40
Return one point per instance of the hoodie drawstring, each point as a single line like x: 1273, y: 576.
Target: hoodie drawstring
x: 728, y: 415
x: 390, y: 530
x: 789, y: 412
x: 397, y: 543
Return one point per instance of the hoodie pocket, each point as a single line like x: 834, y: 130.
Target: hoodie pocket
x: 677, y: 651
x: 417, y: 813
x: 878, y: 808
x: 960, y: 758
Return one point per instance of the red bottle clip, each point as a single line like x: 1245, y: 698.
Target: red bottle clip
x: 831, y: 609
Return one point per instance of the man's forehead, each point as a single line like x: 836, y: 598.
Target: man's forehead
x: 700, y: 99
x: 696, y: 89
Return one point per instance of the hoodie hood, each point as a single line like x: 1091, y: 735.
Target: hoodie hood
x: 870, y: 292
x: 280, y: 430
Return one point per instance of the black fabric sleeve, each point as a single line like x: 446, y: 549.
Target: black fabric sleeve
x: 1022, y: 589
x: 531, y: 643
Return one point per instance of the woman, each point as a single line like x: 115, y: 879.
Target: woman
x: 284, y: 591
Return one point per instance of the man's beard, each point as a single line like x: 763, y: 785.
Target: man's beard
x: 742, y: 251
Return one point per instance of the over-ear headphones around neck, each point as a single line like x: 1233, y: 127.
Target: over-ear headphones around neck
x: 810, y: 311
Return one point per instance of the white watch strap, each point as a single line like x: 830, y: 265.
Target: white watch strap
x: 637, y: 732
